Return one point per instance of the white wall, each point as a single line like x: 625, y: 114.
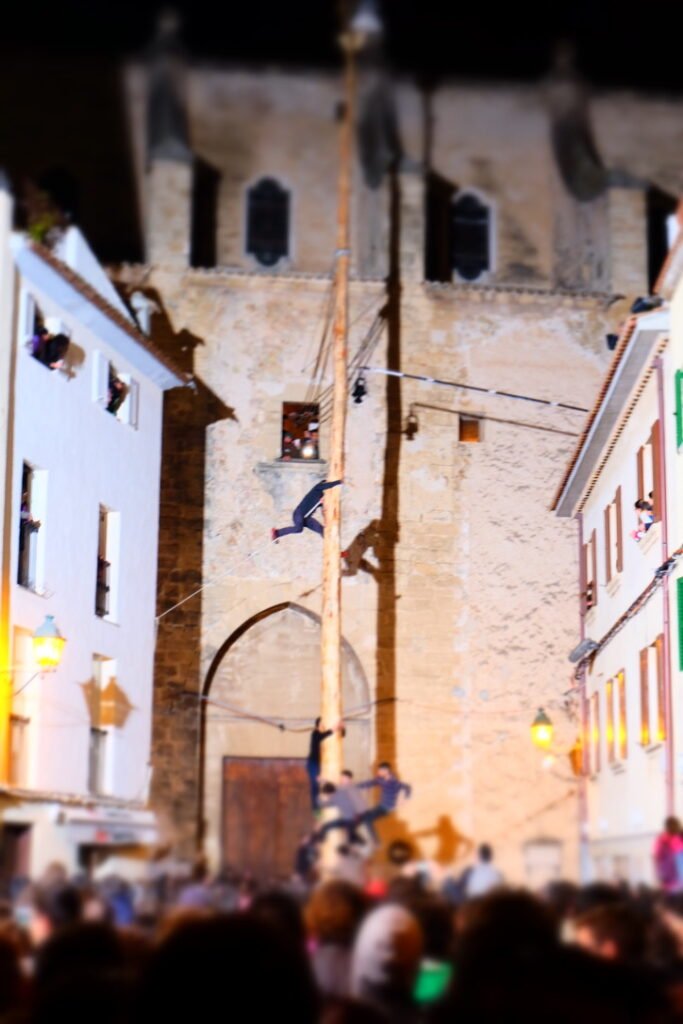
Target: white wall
x: 91, y: 459
x: 627, y: 798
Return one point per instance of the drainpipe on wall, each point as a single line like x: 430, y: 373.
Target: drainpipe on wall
x: 666, y: 616
x: 584, y: 859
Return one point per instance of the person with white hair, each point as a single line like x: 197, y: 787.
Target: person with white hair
x: 386, y: 961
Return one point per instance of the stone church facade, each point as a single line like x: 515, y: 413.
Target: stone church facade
x: 495, y: 249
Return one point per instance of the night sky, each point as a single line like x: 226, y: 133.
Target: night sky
x: 62, y: 117
x: 618, y: 43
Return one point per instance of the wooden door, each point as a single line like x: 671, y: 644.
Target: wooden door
x: 266, y: 810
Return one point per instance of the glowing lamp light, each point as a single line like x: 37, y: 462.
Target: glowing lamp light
x: 542, y: 730
x: 308, y: 450
x: 48, y: 644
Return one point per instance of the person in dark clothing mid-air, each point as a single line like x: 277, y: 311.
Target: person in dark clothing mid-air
x: 390, y: 788
x: 303, y: 515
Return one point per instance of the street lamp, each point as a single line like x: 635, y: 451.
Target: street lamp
x: 542, y: 730
x: 48, y: 644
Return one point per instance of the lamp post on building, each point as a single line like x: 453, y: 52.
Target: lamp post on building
x: 363, y: 26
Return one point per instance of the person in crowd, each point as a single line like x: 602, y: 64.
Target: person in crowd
x: 615, y: 931
x: 668, y: 856
x: 333, y: 914
x: 52, y: 907
x: 197, y: 893
x: 484, y: 875
x: 268, y: 978
x: 386, y: 962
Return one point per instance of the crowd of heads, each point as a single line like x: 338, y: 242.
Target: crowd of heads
x: 336, y: 953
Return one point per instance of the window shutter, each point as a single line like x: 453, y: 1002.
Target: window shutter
x: 609, y: 719
x: 620, y: 537
x: 596, y: 733
x: 661, y: 716
x: 28, y: 317
x: 100, y: 380
x: 623, y: 724
x: 133, y: 401
x: 678, y: 383
x: 644, y: 699
x: 655, y: 441
x: 641, y: 473
x: 608, y: 547
x: 594, y: 566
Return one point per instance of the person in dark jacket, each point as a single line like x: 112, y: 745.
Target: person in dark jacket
x: 303, y: 515
x: 318, y: 735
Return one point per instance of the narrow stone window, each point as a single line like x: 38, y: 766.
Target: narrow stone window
x: 268, y: 222
x: 470, y: 237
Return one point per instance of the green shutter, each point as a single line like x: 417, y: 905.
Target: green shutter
x: 679, y: 586
x: 679, y: 408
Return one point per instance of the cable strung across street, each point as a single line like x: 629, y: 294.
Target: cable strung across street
x: 471, y: 387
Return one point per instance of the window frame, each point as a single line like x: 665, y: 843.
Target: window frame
x: 285, y: 259
x: 288, y: 455
x: 487, y: 273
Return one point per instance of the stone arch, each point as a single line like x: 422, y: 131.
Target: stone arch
x: 269, y: 667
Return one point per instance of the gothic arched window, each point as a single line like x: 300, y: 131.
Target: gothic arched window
x: 268, y: 222
x: 470, y: 237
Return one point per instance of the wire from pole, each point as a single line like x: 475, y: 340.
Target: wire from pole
x: 472, y: 387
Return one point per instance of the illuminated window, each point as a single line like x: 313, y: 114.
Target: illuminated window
x: 468, y: 430
x: 300, y: 431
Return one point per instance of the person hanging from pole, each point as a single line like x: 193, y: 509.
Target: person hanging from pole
x: 303, y: 514
x: 390, y: 789
x: 318, y: 735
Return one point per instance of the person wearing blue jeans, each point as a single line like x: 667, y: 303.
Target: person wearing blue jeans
x: 303, y: 514
x: 390, y: 788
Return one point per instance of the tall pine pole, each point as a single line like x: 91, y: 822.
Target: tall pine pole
x: 331, y: 682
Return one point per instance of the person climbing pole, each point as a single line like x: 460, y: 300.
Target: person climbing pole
x: 313, y: 761
x: 303, y: 514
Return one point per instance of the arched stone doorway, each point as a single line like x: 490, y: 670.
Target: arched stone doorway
x: 266, y: 675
